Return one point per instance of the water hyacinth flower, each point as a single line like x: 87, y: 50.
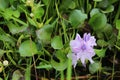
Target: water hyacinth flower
x: 82, y: 48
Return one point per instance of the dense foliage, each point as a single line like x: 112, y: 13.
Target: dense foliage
x: 35, y: 39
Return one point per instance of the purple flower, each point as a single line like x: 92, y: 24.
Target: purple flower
x: 82, y: 48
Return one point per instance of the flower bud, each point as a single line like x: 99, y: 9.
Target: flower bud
x: 5, y: 63
x: 31, y: 15
x: 29, y: 2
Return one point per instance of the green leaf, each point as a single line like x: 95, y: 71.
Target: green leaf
x: 118, y: 36
x: 113, y: 1
x: 100, y: 35
x: 31, y: 21
x: 64, y: 5
x: 46, y: 2
x: 4, y: 4
x: 44, y: 34
x: 20, y: 21
x: 1, y: 53
x: 93, y: 68
x: 108, y: 9
x: 16, y: 14
x: 118, y: 24
x: 100, y: 52
x: 8, y: 13
x: 59, y: 66
x: 98, y: 21
x: 57, y: 42
x: 38, y: 11
x: 102, y: 43
x: 89, y: 7
x: 108, y: 30
x: 14, y: 28
x: 94, y: 11
x: 77, y: 17
x: 63, y: 61
x: 104, y: 4
x: 6, y: 37
x: 1, y: 78
x: 28, y: 48
x: 17, y: 75
x: 112, y: 40
x: 72, y: 5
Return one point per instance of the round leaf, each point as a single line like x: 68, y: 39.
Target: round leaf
x: 64, y: 4
x: 57, y: 42
x: 16, y: 75
x: 72, y: 5
x: 62, y: 61
x: 94, y: 11
x: 100, y: 35
x: 98, y: 21
x: 44, y: 34
x: 108, y: 30
x: 38, y: 12
x: 77, y: 17
x: 102, y: 43
x: 100, y: 52
x: 27, y: 48
x: 103, y: 4
x: 93, y: 68
x: 4, y: 4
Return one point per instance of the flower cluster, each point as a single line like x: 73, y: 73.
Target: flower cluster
x: 82, y: 48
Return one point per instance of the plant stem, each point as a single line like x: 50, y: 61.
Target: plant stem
x: 10, y: 58
x: 95, y: 3
x: 75, y: 74
x: 69, y: 69
x: 117, y: 14
x: 62, y: 75
x: 113, y: 70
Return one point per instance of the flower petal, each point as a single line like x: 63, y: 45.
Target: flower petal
x: 92, y: 41
x: 73, y: 56
x: 83, y: 61
x: 78, y: 37
x: 75, y: 46
x: 86, y: 37
x: 74, y: 60
x: 91, y: 60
